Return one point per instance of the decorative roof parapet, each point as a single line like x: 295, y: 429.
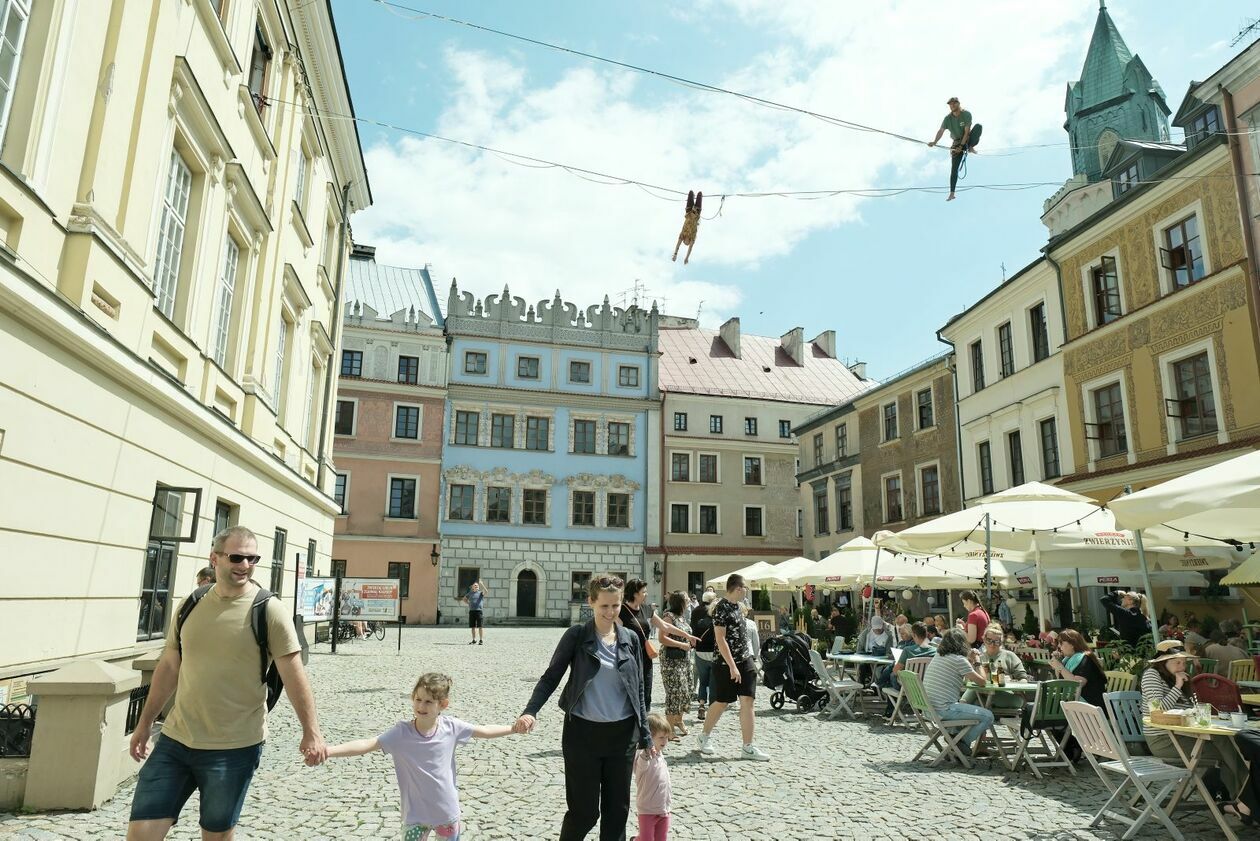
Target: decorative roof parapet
x: 556, y: 321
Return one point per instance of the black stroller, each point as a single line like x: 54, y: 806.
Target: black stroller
x: 786, y: 669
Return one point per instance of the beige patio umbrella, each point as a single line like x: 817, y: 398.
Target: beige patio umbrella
x: 749, y: 573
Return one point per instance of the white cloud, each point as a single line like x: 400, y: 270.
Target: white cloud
x: 492, y: 223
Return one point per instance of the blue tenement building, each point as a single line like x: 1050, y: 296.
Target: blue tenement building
x: 551, y: 414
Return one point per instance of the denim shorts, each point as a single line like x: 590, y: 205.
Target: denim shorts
x: 174, y: 771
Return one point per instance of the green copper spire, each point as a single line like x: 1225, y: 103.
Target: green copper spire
x: 1115, y: 98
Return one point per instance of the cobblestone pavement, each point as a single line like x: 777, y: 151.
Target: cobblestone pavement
x: 827, y: 779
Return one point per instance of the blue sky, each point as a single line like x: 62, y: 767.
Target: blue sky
x: 884, y: 273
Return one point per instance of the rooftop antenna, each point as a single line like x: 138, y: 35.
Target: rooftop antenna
x: 1004, y: 271
x: 1249, y: 29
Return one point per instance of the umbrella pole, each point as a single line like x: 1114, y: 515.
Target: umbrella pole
x: 988, y: 558
x: 1150, y: 593
x: 874, y: 578
x: 1080, y: 599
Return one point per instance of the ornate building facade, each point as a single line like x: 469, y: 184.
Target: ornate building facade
x: 388, y: 431
x: 550, y: 426
x: 173, y: 226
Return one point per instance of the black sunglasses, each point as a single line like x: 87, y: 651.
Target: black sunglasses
x: 238, y: 558
x: 609, y: 581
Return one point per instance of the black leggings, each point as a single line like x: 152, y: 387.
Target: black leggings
x: 1248, y: 744
x: 956, y: 159
x: 598, y: 764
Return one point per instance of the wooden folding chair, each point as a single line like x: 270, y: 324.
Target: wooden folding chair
x: 1047, y: 713
x: 944, y: 736
x: 841, y: 693
x: 1120, y: 681
x: 1098, y: 739
x: 1242, y: 670
x: 1125, y: 711
x: 918, y: 665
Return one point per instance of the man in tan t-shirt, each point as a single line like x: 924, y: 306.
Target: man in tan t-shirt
x: 213, y: 738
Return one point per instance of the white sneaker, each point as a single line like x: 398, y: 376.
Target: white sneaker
x: 705, y: 748
x: 753, y: 752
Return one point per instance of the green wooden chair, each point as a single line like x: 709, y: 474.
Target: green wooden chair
x: 1120, y: 681
x: 1047, y: 714
x: 943, y: 736
x: 1201, y: 666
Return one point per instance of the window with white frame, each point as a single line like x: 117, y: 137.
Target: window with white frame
x: 461, y: 502
x: 842, y: 440
x: 527, y: 367
x: 890, y: 421
x: 407, y: 422
x: 754, y: 521
x: 822, y: 521
x: 893, y: 511
x: 618, y: 505
x: 1015, y: 453
x: 680, y: 421
x: 1182, y: 253
x: 475, y: 362
x: 1006, y: 350
x: 171, y: 228
x: 1104, y: 289
x: 583, y: 508
x: 498, y: 504
x: 12, y: 39
x: 752, y: 470
x: 750, y: 426
x: 409, y: 369
x: 1049, y: 449
x: 534, y: 507
x: 1194, y: 404
x: 844, y: 502
x: 579, y: 372
x: 259, y: 68
x: 628, y: 376
x: 339, y: 491
x: 785, y: 429
x: 344, y: 422
x: 679, y: 518
x: 466, y: 424
x: 282, y: 352
x: 977, y: 365
x: 537, y: 433
x: 223, y: 300
x: 930, y: 490
x: 818, y: 449
x: 1108, y: 427
x: 1040, y: 332
x: 502, y: 431
x: 402, y: 498
x: 927, y: 411
x: 618, y: 438
x: 708, y: 467
x: 984, y: 454
x: 303, y: 164
x: 1126, y: 179
x: 680, y: 467
x: 708, y: 519
x: 584, y: 435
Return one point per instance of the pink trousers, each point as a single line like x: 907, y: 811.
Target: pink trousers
x: 653, y: 828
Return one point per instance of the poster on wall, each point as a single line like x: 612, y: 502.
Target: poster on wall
x: 315, y: 599
x: 369, y: 598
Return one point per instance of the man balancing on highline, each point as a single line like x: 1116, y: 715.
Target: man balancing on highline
x: 965, y: 137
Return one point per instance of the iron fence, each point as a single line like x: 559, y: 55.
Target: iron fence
x: 17, y: 727
x: 135, y: 705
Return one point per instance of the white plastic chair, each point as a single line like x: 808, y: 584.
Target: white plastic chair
x: 840, y: 693
x: 1098, y: 738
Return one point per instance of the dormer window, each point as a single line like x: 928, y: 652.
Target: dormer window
x: 1126, y: 179
x: 1202, y: 127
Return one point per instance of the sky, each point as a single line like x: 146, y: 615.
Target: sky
x: 884, y: 273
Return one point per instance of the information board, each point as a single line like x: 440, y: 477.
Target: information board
x: 315, y: 599
x: 369, y: 598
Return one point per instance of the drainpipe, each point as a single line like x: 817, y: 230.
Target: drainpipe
x: 1058, y: 274
x: 953, y: 370
x: 336, y: 330
x: 660, y: 502
x: 1244, y: 205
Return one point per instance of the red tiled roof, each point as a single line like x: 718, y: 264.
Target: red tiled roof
x: 764, y: 371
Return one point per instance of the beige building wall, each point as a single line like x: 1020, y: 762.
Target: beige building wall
x: 143, y: 178
x: 694, y: 556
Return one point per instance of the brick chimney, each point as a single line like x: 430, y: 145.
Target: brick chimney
x: 826, y: 342
x: 793, y: 344
x: 730, y: 335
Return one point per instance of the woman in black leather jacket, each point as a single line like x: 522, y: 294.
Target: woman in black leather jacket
x: 1127, y: 615
x: 604, y: 715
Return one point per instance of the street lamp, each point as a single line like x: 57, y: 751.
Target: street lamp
x: 656, y: 571
x: 434, y: 556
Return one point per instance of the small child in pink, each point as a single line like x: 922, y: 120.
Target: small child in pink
x: 651, y: 780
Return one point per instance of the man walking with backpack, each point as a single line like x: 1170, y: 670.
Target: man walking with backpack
x: 219, y: 645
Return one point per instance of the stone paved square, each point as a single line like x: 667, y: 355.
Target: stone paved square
x: 827, y: 779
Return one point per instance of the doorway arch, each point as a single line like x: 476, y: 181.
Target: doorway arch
x: 527, y: 591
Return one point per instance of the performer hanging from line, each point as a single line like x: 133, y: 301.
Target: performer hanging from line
x: 965, y: 136
x: 691, y: 224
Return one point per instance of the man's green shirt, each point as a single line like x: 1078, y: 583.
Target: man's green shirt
x: 957, y: 126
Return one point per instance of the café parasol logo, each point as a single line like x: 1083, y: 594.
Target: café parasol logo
x: 1108, y: 579
x: 1024, y: 579
x: 1108, y: 538
x: 831, y: 578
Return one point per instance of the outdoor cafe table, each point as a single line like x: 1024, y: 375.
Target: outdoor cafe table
x: 846, y: 660
x: 1249, y: 684
x: 988, y: 691
x: 1201, y: 735
x: 1253, y: 700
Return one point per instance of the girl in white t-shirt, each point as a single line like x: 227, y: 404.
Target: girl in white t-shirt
x: 423, y: 750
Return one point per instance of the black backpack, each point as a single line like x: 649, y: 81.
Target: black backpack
x: 257, y: 622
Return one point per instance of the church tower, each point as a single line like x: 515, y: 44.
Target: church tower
x: 1115, y: 98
